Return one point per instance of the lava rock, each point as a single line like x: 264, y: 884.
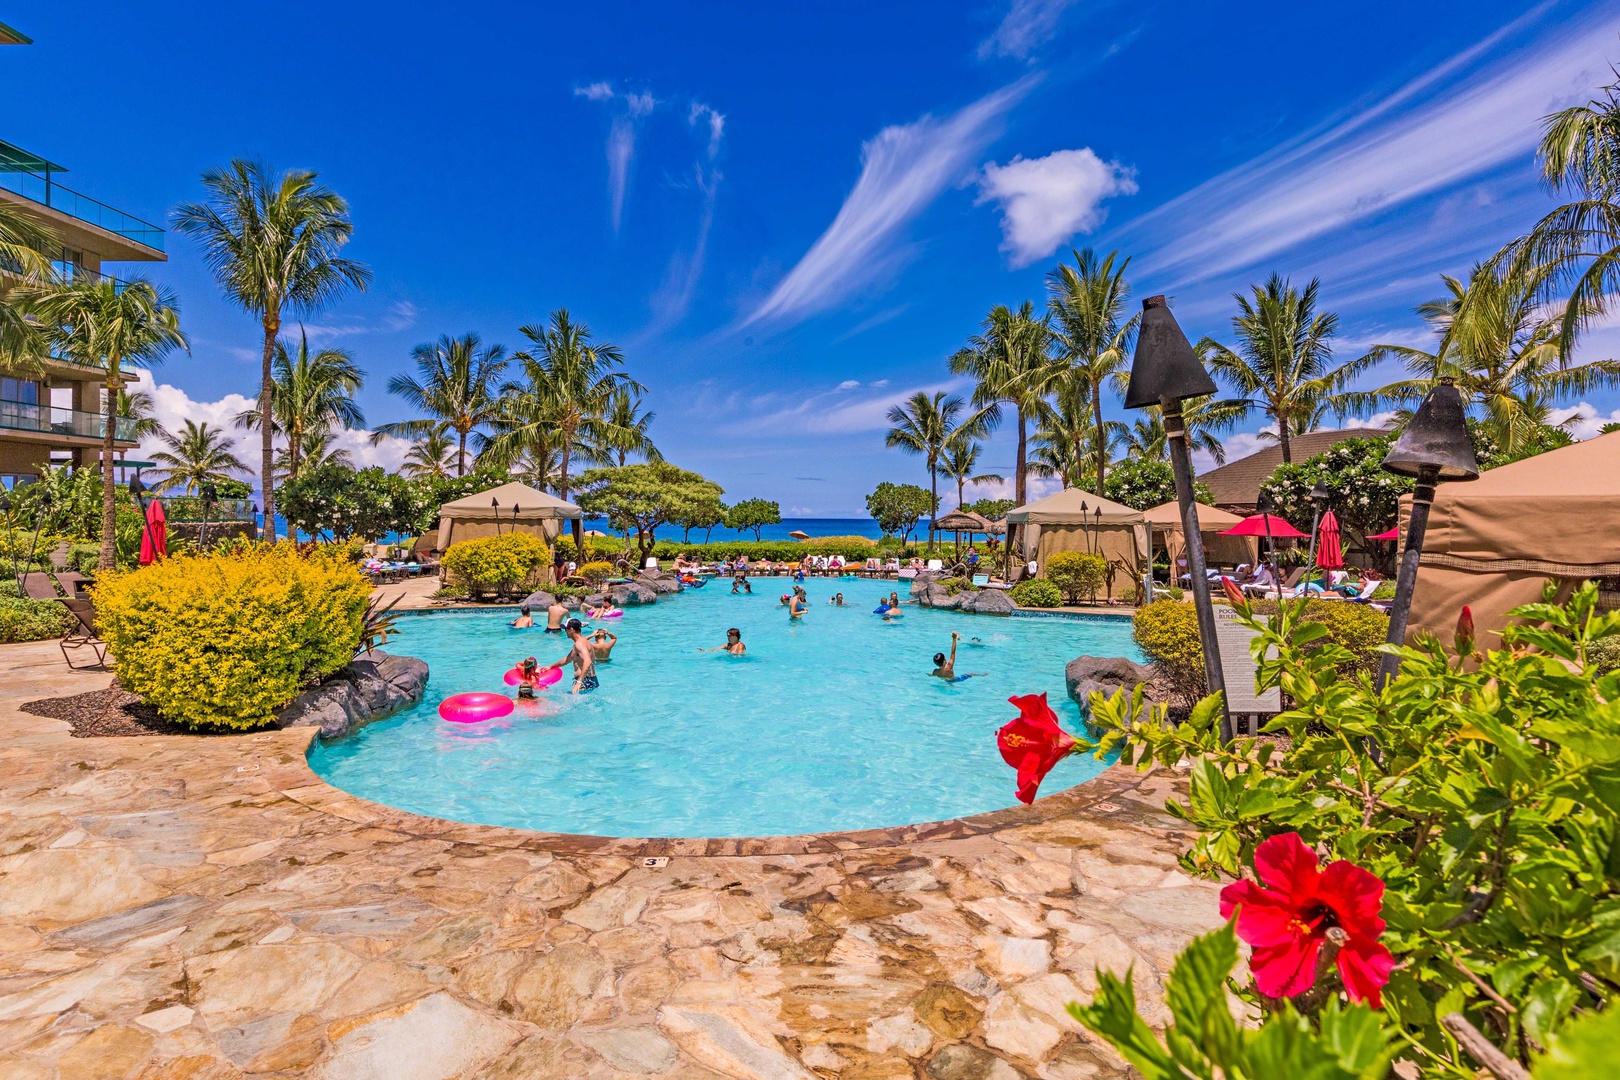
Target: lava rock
x: 1086, y: 675
x: 633, y: 595
x: 663, y: 584
x: 368, y: 688
x: 989, y: 602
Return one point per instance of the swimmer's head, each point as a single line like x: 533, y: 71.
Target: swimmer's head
x: 939, y: 659
x: 524, y: 609
x: 574, y: 626
x: 734, y: 634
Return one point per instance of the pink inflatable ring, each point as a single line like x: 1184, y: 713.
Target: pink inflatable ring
x: 475, y: 707
x: 543, y: 679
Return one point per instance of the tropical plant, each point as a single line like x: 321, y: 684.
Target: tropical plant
x: 24, y: 243
x: 640, y: 498
x: 1502, y: 348
x: 333, y: 500
x: 136, y: 408
x: 455, y: 384
x: 992, y: 509
x: 273, y: 245
x: 1066, y: 435
x: 1036, y: 593
x: 565, y: 396
x: 624, y: 434
x: 703, y: 515
x: 310, y: 393
x: 501, y: 563
x: 898, y: 507
x: 1087, y: 301
x: 433, y: 454
x: 753, y: 514
x: 105, y: 324
x: 1143, y: 483
x: 927, y: 425
x: 960, y: 462
x: 1011, y: 364
x: 1204, y: 418
x: 314, y: 450
x: 1283, y: 363
x: 1078, y: 574
x: 197, y: 455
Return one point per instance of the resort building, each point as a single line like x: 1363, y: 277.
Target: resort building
x: 54, y: 416
x: 1236, y: 485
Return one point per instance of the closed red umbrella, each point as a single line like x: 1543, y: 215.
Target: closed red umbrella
x: 1329, y: 555
x: 1265, y: 525
x: 155, y: 537
x: 1391, y: 534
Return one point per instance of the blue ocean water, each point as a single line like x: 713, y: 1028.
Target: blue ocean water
x: 828, y: 723
x: 814, y: 526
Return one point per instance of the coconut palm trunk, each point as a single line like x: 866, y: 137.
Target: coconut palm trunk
x: 267, y: 447
x: 108, y: 558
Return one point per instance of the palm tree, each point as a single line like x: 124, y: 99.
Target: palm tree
x: 626, y: 432
x: 199, y: 454
x: 1203, y: 417
x: 103, y: 323
x: 310, y: 393
x: 1086, y: 301
x: 1010, y: 361
x: 960, y: 462
x: 1282, y: 365
x: 431, y: 455
x: 536, y: 466
x: 273, y: 246
x: 1503, y: 348
x: 1576, y: 247
x: 926, y: 425
x: 23, y: 247
x: 136, y: 408
x: 568, y: 387
x: 456, y: 384
x: 313, y: 451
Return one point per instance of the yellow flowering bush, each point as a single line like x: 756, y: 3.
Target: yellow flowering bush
x: 496, y: 562
x: 220, y: 642
x: 596, y: 572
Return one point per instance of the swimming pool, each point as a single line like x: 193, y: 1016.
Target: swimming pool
x: 828, y: 724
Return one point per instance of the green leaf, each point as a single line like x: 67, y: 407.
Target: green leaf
x: 1196, y: 994
x: 1585, y: 1050
x: 1112, y: 1016
x: 1358, y: 1037
x: 1545, y: 1007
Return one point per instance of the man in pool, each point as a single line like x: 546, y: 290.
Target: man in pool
x: 946, y: 668
x: 796, y: 606
x: 602, y: 643
x: 734, y: 643
x: 583, y: 657
x: 556, y: 615
x: 524, y: 619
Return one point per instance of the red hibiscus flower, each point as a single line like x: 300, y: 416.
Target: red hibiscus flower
x: 1286, y: 918
x: 1033, y: 743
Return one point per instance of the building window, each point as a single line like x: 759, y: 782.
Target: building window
x: 12, y: 481
x: 20, y: 391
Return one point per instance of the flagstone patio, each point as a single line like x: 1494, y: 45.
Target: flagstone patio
x: 198, y: 908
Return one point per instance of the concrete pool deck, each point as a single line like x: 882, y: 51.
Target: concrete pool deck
x: 186, y: 907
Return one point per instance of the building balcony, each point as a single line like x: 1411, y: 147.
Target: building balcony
x: 33, y: 178
x: 59, y: 425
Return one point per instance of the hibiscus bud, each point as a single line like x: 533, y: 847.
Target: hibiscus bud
x: 1233, y: 593
x: 1463, y: 641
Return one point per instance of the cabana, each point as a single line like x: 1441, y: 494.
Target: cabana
x: 1492, y: 542
x: 1056, y: 524
x: 511, y: 507
x: 1164, y: 521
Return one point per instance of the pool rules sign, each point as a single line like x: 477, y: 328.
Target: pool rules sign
x: 1232, y: 639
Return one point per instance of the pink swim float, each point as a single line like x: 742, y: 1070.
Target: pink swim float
x: 544, y: 679
x: 475, y: 707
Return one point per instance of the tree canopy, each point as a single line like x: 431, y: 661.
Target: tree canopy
x: 753, y: 514
x: 898, y: 507
x: 639, y: 498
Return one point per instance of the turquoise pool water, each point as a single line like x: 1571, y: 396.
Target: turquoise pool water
x: 831, y: 723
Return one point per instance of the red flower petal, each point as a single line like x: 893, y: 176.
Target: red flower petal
x: 1033, y: 743
x: 1356, y: 897
x: 1364, y: 965
x: 1287, y: 969
x: 1284, y: 863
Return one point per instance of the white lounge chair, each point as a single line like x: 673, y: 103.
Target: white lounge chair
x: 936, y: 564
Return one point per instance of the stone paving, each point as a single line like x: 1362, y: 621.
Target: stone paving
x: 185, y: 907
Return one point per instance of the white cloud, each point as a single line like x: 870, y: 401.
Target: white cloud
x: 1027, y: 25
x: 639, y: 105
x: 1584, y: 419
x: 621, y: 147
x: 701, y: 113
x: 401, y: 315
x: 1045, y: 201
x: 837, y: 411
x: 903, y: 169
x: 1463, y: 125
x: 597, y: 91
x: 849, y: 384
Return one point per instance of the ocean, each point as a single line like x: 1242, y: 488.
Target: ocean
x: 814, y: 526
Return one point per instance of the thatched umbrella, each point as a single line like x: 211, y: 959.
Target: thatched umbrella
x: 961, y: 521
x: 797, y: 535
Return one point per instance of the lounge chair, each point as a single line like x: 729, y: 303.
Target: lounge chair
x: 936, y: 564
x: 72, y: 582
x: 1365, y: 595
x: 38, y: 587
x: 83, y: 633
x: 1268, y: 590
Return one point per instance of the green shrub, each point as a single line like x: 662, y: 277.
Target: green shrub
x: 30, y: 620
x: 1078, y: 574
x: 1167, y: 634
x: 84, y: 558
x: 1385, y: 591
x: 954, y: 585
x: 595, y: 548
x: 1603, y: 655
x: 1036, y: 593
x: 221, y: 642
x: 596, y: 572
x: 497, y: 563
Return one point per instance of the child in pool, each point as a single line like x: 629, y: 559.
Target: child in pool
x: 945, y: 668
x: 604, y: 611
x: 524, y: 619
x: 734, y: 643
x: 528, y: 675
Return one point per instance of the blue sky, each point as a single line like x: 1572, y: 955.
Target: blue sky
x: 789, y: 216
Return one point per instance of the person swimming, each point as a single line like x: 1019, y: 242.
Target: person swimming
x: 582, y: 656
x: 734, y: 643
x: 524, y: 619
x: 528, y: 675
x: 602, y: 643
x: 945, y: 667
x: 556, y: 615
x: 796, y: 606
x: 605, y: 610
x: 838, y: 600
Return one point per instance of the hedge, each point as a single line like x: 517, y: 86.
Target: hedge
x: 220, y: 642
x: 1077, y: 573
x: 1036, y: 593
x: 1167, y: 633
x: 497, y: 563
x: 22, y: 619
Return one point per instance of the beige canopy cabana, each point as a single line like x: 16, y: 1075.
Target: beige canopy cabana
x: 1165, y: 522
x: 517, y: 507
x: 1055, y: 524
x: 1492, y: 542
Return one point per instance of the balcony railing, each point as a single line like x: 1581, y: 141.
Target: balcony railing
x: 16, y: 176
x: 22, y: 416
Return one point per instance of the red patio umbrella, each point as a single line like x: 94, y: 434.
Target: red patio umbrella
x: 1392, y: 534
x: 1265, y: 525
x: 1329, y: 555
x: 155, y: 537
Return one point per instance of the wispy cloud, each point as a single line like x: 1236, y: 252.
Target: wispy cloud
x: 1456, y: 123
x: 629, y: 108
x: 674, y: 296
x: 835, y: 410
x: 1044, y: 201
x: 903, y: 169
x: 1027, y: 25
x: 401, y: 315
